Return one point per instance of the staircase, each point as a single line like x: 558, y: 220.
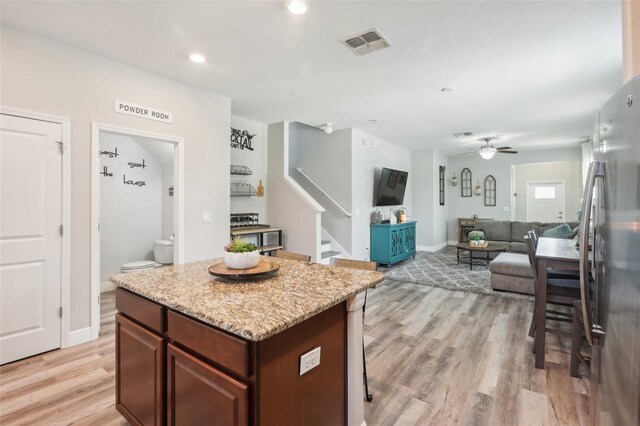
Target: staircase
x: 330, y: 248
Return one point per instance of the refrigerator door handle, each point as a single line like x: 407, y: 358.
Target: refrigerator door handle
x: 593, y: 332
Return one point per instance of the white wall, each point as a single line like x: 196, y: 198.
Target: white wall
x: 289, y: 207
x: 500, y: 167
x: 366, y: 161
x: 256, y: 160
x: 431, y: 234
x: 48, y: 77
x: 327, y: 160
x: 167, y: 201
x: 567, y: 171
x: 130, y: 215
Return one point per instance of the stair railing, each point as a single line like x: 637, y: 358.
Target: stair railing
x: 324, y: 192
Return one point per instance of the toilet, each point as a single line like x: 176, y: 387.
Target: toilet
x: 162, y: 253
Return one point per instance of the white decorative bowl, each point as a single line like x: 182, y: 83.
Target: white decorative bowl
x: 242, y: 260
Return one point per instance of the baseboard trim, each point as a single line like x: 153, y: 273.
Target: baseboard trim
x: 79, y: 336
x: 432, y: 248
x: 108, y: 286
x: 452, y: 243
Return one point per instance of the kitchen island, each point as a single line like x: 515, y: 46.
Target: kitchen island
x: 286, y: 350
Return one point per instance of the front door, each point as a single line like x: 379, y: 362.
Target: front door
x: 545, y: 202
x: 30, y: 237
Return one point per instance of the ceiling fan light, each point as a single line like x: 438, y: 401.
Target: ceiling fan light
x: 297, y: 7
x: 487, y: 154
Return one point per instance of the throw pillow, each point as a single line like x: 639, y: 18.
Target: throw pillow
x: 561, y: 231
x: 476, y: 232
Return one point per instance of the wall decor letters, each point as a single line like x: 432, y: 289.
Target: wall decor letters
x: 141, y: 111
x: 132, y: 164
x: 130, y: 182
x: 241, y: 139
x: 105, y: 172
x: 110, y: 154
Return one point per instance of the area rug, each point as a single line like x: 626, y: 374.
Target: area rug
x: 441, y: 270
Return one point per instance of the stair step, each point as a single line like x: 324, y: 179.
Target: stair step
x: 329, y: 253
x: 325, y: 242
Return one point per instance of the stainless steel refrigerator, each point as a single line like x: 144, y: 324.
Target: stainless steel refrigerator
x: 611, y: 305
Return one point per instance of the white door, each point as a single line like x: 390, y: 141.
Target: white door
x: 30, y: 237
x: 545, y: 202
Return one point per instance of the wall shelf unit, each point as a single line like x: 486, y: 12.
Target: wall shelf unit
x: 240, y: 170
x: 242, y: 190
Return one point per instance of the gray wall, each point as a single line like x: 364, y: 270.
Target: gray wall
x: 327, y: 160
x: 500, y: 167
x: 48, y: 77
x: 568, y: 171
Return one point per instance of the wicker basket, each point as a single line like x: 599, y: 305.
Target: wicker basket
x: 478, y: 244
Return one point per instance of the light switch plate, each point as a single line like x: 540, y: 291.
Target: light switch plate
x: 310, y: 360
x: 206, y: 217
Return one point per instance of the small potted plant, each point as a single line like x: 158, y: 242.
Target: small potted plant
x: 240, y: 254
x: 477, y: 240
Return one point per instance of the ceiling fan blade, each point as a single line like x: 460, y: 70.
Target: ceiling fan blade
x: 469, y: 153
x: 503, y: 147
x: 506, y: 152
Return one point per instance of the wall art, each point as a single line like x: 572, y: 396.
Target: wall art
x: 489, y: 191
x: 109, y: 153
x: 241, y: 139
x: 465, y: 185
x: 138, y: 183
x: 441, y: 171
x: 105, y: 172
x: 133, y: 165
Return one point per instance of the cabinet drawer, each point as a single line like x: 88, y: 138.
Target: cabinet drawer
x: 220, y: 347
x: 142, y: 310
x: 200, y: 394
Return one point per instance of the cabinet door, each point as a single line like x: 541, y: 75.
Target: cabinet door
x: 410, y: 239
x: 397, y: 242
x: 139, y: 371
x: 200, y: 394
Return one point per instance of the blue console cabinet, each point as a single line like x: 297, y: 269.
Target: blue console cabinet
x: 392, y: 243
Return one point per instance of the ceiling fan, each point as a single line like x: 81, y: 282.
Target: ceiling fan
x: 488, y: 151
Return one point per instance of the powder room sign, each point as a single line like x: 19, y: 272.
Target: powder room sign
x: 151, y: 113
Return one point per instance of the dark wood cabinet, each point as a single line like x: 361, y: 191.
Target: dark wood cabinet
x: 199, y: 394
x: 139, y: 373
x: 175, y: 370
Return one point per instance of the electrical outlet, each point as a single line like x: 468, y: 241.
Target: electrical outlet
x: 206, y: 217
x: 310, y: 360
x: 505, y: 209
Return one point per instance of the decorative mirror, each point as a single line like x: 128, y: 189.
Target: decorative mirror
x: 465, y: 183
x: 441, y: 182
x: 490, y: 191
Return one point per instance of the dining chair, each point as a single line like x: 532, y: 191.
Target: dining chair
x: 560, y: 292
x: 367, y: 266
x: 577, y: 337
x: 292, y: 256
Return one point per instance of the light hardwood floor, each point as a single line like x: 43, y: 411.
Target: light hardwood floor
x: 435, y: 357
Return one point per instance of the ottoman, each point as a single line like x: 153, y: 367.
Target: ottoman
x: 512, y: 272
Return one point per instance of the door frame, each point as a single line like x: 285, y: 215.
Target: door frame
x: 66, y: 336
x: 178, y: 206
x: 546, y: 182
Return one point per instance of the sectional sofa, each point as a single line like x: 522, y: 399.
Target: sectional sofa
x: 511, y: 271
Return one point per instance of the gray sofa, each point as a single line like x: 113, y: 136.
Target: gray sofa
x: 510, y: 235
x: 511, y: 271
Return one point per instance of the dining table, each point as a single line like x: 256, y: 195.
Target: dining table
x: 550, y: 253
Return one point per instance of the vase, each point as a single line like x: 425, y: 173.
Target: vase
x: 242, y: 260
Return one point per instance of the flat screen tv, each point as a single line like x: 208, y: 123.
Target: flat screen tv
x: 391, y: 187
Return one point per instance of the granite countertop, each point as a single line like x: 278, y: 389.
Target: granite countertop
x: 254, y: 310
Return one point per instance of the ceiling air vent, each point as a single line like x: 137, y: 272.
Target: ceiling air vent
x: 463, y: 134
x: 367, y: 42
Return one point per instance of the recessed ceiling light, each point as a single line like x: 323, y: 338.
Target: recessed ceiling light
x: 298, y: 7
x: 447, y: 89
x: 197, y: 58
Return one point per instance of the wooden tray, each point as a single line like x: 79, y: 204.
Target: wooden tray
x: 261, y: 270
